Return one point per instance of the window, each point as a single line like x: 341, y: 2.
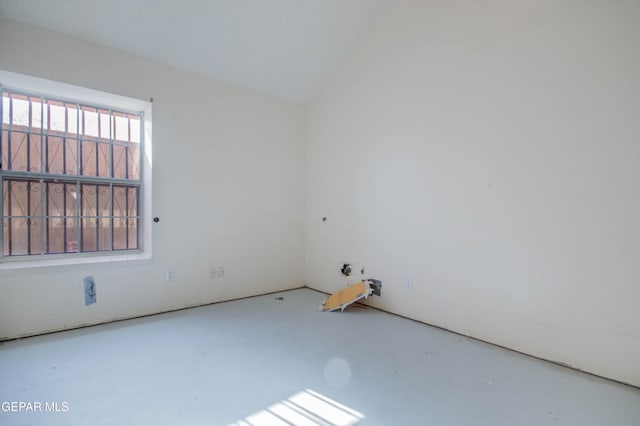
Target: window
x: 71, y: 177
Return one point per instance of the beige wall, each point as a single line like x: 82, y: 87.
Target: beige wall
x: 483, y: 160
x: 226, y: 185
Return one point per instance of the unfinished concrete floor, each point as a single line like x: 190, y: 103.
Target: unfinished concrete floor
x: 264, y: 361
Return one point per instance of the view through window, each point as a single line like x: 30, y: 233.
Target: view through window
x: 70, y: 176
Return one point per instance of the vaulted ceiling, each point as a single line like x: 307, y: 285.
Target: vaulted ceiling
x: 284, y: 48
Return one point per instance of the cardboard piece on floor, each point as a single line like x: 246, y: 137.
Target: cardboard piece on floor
x: 351, y: 294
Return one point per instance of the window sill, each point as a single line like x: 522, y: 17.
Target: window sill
x: 60, y: 261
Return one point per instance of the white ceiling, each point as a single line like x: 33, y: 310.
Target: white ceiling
x: 285, y: 48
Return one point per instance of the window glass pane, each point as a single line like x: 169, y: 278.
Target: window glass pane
x: 36, y: 212
x: 104, y: 166
x: 17, y: 236
x: 57, y: 117
x: 36, y: 241
x: 125, y: 232
x: 133, y: 202
x: 34, y: 156
x: 121, y: 124
x: 4, y: 149
x: 72, y: 119
x: 19, y: 111
x: 133, y: 166
x: 56, y: 235
x: 71, y: 156
x: 18, y: 198
x: 5, y: 199
x: 17, y: 149
x: 39, y: 115
x: 104, y: 201
x: 119, y: 162
x: 135, y: 129
x: 89, y: 200
x: 120, y: 201
x: 120, y: 233
x: 133, y: 233
x: 89, y: 158
x: 5, y: 109
x: 71, y: 235
x: 5, y: 239
x: 89, y: 234
x: 55, y: 155
x: 105, y: 128
x: 55, y: 199
x: 71, y: 199
x: 104, y: 234
x: 35, y: 201
x: 89, y: 122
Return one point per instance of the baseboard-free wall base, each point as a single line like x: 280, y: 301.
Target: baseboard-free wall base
x: 126, y: 318
x: 115, y: 320
x: 558, y: 363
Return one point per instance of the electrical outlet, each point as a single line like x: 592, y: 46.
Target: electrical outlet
x: 221, y: 271
x: 213, y: 272
x: 171, y: 276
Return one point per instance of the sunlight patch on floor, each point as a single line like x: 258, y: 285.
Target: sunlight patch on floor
x: 306, y: 408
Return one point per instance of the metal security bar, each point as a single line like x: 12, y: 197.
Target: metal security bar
x: 70, y: 176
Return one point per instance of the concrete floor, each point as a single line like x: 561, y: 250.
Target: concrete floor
x: 264, y: 361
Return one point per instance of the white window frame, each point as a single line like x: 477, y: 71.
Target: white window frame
x: 48, y: 88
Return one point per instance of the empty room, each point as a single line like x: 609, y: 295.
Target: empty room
x: 320, y: 212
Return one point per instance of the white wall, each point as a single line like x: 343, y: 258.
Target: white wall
x: 483, y: 160
x: 226, y: 186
